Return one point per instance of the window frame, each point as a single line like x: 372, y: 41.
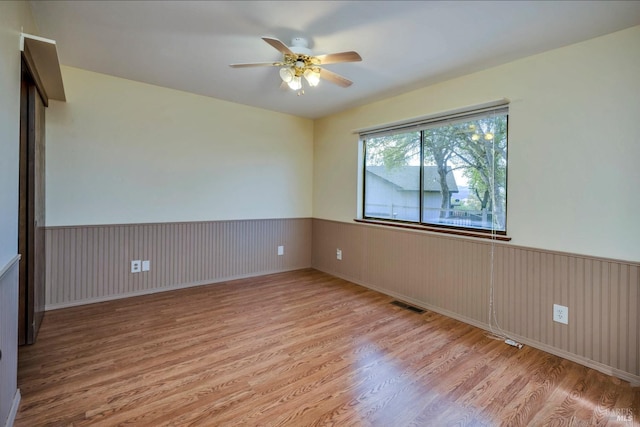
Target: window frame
x: 500, y: 107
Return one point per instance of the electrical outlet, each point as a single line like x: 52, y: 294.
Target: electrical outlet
x: 560, y: 314
x: 135, y: 266
x: 146, y: 265
x: 339, y: 254
x: 280, y: 250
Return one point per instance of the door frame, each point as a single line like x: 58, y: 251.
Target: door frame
x: 31, y: 204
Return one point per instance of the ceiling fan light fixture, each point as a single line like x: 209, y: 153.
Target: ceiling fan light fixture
x: 312, y: 77
x: 295, y: 83
x: 286, y: 75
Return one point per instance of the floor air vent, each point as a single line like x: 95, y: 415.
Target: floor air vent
x: 407, y: 306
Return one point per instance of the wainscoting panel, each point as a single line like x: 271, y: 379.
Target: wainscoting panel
x: 93, y: 263
x: 454, y: 276
x: 9, y: 394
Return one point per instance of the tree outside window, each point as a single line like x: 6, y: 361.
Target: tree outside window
x: 452, y: 173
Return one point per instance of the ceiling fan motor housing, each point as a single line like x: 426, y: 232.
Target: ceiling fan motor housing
x: 300, y: 45
x: 302, y: 60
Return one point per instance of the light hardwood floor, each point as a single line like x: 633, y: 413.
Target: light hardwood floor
x: 297, y: 348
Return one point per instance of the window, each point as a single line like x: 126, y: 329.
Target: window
x: 448, y: 172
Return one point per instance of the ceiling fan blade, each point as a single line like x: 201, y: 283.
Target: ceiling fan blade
x: 281, y: 47
x: 335, y: 78
x: 333, y: 58
x: 257, y: 64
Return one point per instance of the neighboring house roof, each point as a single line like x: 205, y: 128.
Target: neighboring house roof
x: 404, y: 177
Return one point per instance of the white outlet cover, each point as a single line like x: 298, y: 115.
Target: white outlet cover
x: 146, y: 265
x: 280, y: 250
x: 135, y: 266
x: 339, y: 254
x: 560, y: 314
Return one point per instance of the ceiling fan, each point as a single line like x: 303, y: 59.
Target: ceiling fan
x: 297, y: 62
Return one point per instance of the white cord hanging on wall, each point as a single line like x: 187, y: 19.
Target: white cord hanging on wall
x: 498, y: 332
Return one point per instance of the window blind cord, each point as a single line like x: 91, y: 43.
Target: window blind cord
x: 498, y: 333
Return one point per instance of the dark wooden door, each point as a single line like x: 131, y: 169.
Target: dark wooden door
x: 31, y: 242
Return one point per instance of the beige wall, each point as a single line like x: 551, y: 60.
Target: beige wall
x: 121, y: 152
x: 573, y: 145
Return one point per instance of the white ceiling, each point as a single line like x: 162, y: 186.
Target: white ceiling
x: 187, y: 45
